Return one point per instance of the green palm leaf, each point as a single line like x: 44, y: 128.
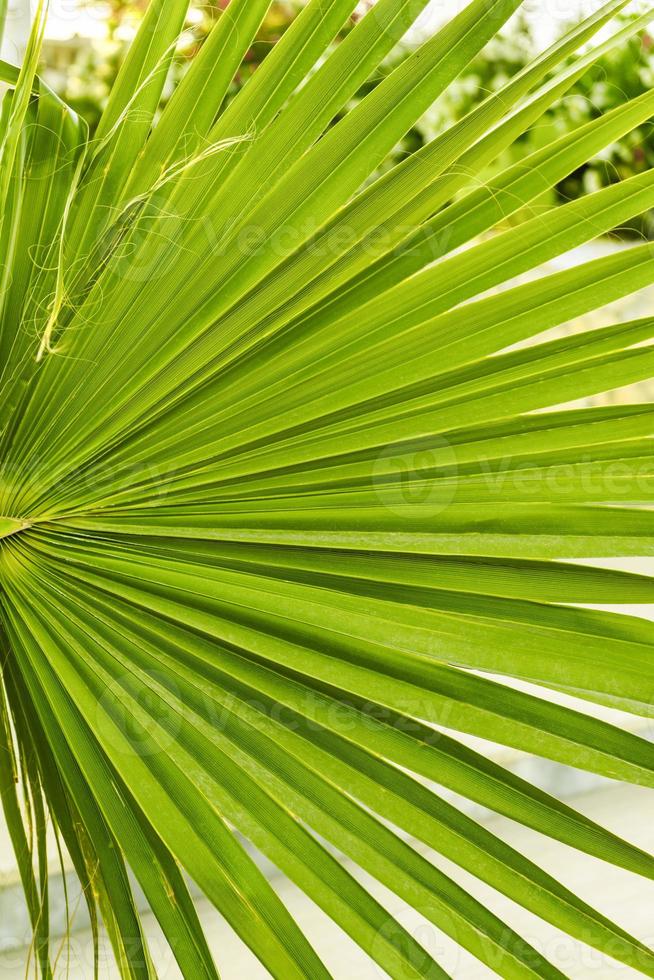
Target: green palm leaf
x: 290, y: 503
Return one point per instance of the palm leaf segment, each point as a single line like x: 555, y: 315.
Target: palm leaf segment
x: 289, y: 495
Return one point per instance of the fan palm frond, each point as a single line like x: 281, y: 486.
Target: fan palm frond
x: 292, y: 501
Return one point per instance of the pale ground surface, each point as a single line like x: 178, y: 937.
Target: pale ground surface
x: 625, y: 898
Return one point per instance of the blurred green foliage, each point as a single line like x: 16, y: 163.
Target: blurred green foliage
x: 86, y: 81
x: 625, y: 73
